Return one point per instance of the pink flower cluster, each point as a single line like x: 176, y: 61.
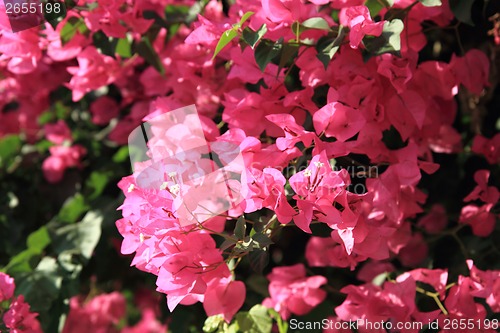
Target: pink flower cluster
x: 365, y: 99
x: 17, y: 318
x: 189, y: 266
x: 395, y: 300
x: 63, y: 155
x: 105, y: 313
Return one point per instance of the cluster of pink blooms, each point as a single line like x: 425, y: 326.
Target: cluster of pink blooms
x: 63, y: 154
x: 394, y: 301
x: 17, y: 317
x: 189, y: 266
x: 365, y: 98
x: 292, y: 292
x: 105, y: 313
x: 480, y: 218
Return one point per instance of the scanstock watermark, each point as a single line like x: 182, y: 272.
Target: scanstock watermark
x: 447, y: 324
x: 335, y: 324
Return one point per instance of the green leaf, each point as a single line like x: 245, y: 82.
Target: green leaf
x: 54, y: 17
x: 260, y: 315
x: 258, y: 260
x: 316, y: 23
x: 72, y: 209
x: 327, y: 47
x: 282, y: 325
x: 257, y: 320
x: 379, y: 279
x: 46, y: 117
x: 262, y: 240
x: 21, y: 262
x: 194, y: 10
x: 226, y: 37
x: 297, y: 29
x: 41, y: 287
x: 80, y: 238
x: 392, y: 139
x: 212, y: 323
x: 388, y: 42
x: 146, y: 50
x: 375, y: 6
x: 259, y: 284
x: 226, y: 244
x: 462, y: 9
x: 124, y: 48
x: 182, y: 321
x: 396, y: 13
x: 26, y: 260
x: 252, y: 37
x: 240, y: 228
x: 233, y: 328
x: 121, y: 155
x: 244, y: 18
x: 247, y: 245
x: 38, y: 240
x: 106, y: 45
x: 287, y: 53
x: 70, y: 28
x: 176, y: 13
x: 42, y: 290
x: 266, y: 51
x: 158, y: 20
x: 259, y: 225
x: 430, y: 3
x: 97, y: 183
x: 9, y: 148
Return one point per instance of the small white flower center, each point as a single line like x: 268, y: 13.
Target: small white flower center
x: 174, y: 189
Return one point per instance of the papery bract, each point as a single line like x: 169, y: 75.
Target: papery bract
x: 19, y: 318
x: 7, y: 287
x: 358, y: 19
x: 225, y: 299
x: 98, y: 315
x: 292, y: 292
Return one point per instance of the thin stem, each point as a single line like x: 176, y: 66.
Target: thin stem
x: 435, y: 296
x: 332, y: 290
x: 459, y: 40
